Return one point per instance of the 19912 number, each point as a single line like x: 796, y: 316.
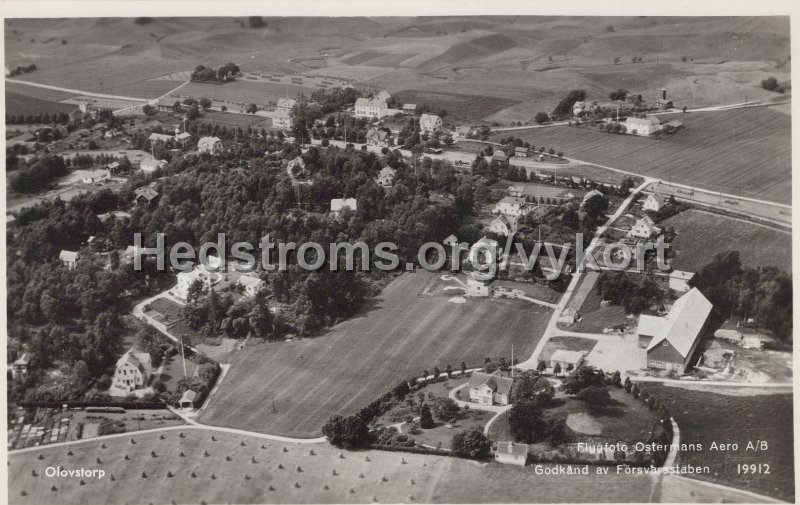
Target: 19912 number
x: 753, y: 468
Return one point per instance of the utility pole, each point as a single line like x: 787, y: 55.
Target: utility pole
x: 512, y: 362
x: 183, y: 357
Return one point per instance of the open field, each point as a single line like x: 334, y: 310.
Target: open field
x: 460, y: 107
x: 705, y: 417
x: 701, y: 235
x: 715, y: 151
x: 236, y: 120
x: 253, y: 475
x: 396, y: 336
x: 244, y: 91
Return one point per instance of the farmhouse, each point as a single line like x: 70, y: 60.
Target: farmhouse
x: 96, y: 176
x: 210, y: 145
x: 185, y: 281
x: 374, y: 108
x: 168, y: 104
x: 282, y: 119
x: 513, y: 206
x: 516, y: 191
x: 286, y: 104
x: 502, y: 225
x: 151, y: 164
x: 159, y: 138
x: 386, y: 176
x: 145, y: 195
x: 521, y: 152
x: 578, y: 107
x: 19, y: 368
x: 376, y: 137
x: 69, y: 259
x: 187, y: 400
x: 430, y: 123
x: 463, y: 132
x: 511, y: 453
x: 409, y: 108
x: 251, y: 284
x: 183, y: 138
x: 132, y: 372
x: 654, y: 202
x: 339, y: 204
x: 567, y: 360
x: 644, y: 228
x: 489, y: 389
x: 642, y: 126
x: 672, y: 339
x: 500, y: 158
x: 679, y: 281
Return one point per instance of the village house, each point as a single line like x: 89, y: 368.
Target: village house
x: 430, y: 123
x: 69, y: 259
x: 386, y: 176
x: 251, y: 284
x: 478, y: 287
x: 186, y: 280
x: 578, y: 107
x: 187, y: 399
x: 642, y: 126
x: 511, y: 453
x: 113, y: 167
x: 516, y: 191
x: 145, y: 195
x: 462, y: 132
x: 286, y: 104
x: 132, y: 372
x: 513, y: 206
x: 489, y: 389
x: 339, y: 204
x: 409, y: 108
x: 159, y: 138
x: 679, y: 281
x: 662, y: 103
x: 19, y: 368
x: 183, y: 138
x: 503, y: 225
x: 567, y: 360
x: 500, y: 158
x: 374, y: 108
x: 644, y: 228
x: 282, y: 119
x: 671, y: 340
x: 521, y: 152
x: 96, y: 176
x: 151, y: 164
x: 376, y: 137
x: 210, y: 145
x: 654, y: 202
x: 169, y: 104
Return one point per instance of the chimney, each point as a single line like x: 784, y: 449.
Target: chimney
x: 663, y: 93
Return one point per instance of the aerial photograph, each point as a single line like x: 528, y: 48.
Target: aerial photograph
x: 381, y: 259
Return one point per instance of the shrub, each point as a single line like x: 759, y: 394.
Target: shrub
x: 471, y: 444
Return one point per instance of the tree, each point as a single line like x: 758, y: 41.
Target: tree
x: 346, y: 432
x: 251, y: 108
x: 619, y: 94
x: 256, y: 22
x: 583, y: 377
x: 628, y: 384
x: 148, y: 110
x: 770, y: 84
x: 564, y: 107
x: 557, y: 368
x: 463, y: 369
x: 529, y: 424
x: 530, y: 387
x: 205, y: 103
x: 445, y: 409
x: 610, y: 28
x: 596, y: 398
x: 541, y: 117
x: 426, y: 418
x: 449, y: 371
x: 542, y: 366
x: 471, y: 444
x: 80, y: 376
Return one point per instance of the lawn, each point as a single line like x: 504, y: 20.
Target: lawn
x: 705, y: 417
x: 237, y: 120
x: 715, y: 151
x: 567, y: 344
x: 464, y: 108
x: 397, y: 335
x: 701, y: 235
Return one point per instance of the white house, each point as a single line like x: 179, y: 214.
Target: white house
x: 478, y: 287
x: 503, y: 225
x: 489, y: 389
x: 95, y: 176
x: 511, y: 453
x: 567, y: 360
x: 386, y: 176
x: 513, y: 206
x: 521, y: 152
x: 430, y: 123
x: 132, y: 372
x: 183, y: 137
x: 159, y: 138
x: 376, y: 137
x: 578, y: 107
x: 671, y: 340
x: 679, y: 280
x: 251, y: 284
x: 69, y: 259
x: 151, y: 164
x: 185, y: 281
x: 374, y: 108
x: 642, y: 126
x: 281, y: 119
x: 19, y: 368
x: 654, y: 202
x: 339, y: 204
x: 644, y: 228
x: 211, y: 145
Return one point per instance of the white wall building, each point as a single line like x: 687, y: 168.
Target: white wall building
x: 642, y: 126
x: 132, y: 372
x: 430, y: 123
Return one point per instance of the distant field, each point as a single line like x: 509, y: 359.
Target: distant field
x: 245, y: 92
x: 701, y: 235
x: 398, y: 335
x: 465, y: 108
x: 17, y: 104
x: 705, y: 417
x: 719, y: 151
x: 238, y: 120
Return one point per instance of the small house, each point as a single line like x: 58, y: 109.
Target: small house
x: 642, y: 126
x: 478, y: 287
x: 409, y: 108
x: 578, y: 107
x: 282, y: 119
x: 654, y: 202
x: 378, y: 137
x: 386, y: 176
x: 567, y: 360
x: 513, y: 206
x: 251, y: 284
x: 521, y: 152
x: 511, y: 453
x: 591, y: 194
x: 132, y: 372
x: 19, y: 368
x: 151, y: 164
x: 500, y: 158
x: 489, y: 389
x: 644, y: 228
x: 503, y: 225
x: 210, y: 145
x: 430, y: 123
x: 186, y: 280
x: 516, y: 191
x: 187, y: 400
x: 96, y: 176
x: 159, y: 138
x: 69, y: 259
x: 339, y: 204
x: 145, y: 195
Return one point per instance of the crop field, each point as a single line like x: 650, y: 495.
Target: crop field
x: 398, y: 335
x: 461, y: 107
x: 705, y: 417
x: 245, y: 92
x: 236, y: 120
x: 701, y: 235
x: 17, y: 104
x: 747, y: 150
